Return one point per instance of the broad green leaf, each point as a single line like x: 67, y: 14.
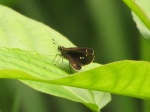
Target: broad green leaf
x: 140, y: 11
x: 18, y: 31
x: 130, y: 78
x: 37, y: 70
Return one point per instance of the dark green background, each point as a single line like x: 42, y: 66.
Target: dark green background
x: 104, y: 25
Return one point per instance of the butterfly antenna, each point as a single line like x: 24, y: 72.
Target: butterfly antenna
x: 54, y: 42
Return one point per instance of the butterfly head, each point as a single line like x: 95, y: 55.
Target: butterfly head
x: 60, y: 48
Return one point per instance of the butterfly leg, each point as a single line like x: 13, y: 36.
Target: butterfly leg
x: 56, y: 57
x: 59, y: 57
x: 70, y: 68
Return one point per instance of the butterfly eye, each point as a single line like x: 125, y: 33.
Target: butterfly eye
x: 60, y: 48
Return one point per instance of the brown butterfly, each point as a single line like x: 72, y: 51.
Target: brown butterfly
x: 77, y: 56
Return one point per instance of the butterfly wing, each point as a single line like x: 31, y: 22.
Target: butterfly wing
x: 86, y: 60
x: 87, y: 51
x: 78, y: 56
x: 74, y: 64
x: 81, y: 58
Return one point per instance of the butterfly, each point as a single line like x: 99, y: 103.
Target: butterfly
x: 77, y: 56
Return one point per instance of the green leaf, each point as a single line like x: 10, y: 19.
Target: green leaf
x: 18, y: 31
x: 33, y: 63
x: 131, y: 78
x: 36, y: 71
x: 140, y: 11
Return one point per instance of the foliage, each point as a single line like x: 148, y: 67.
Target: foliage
x: 32, y: 63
